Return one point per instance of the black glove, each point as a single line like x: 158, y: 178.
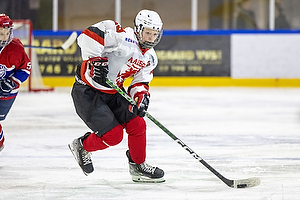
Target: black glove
x: 142, y: 102
x: 6, y: 86
x: 99, y: 65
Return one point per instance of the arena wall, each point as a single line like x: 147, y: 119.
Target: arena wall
x: 267, y: 59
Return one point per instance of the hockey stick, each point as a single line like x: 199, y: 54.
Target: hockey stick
x: 241, y: 183
x: 64, y: 46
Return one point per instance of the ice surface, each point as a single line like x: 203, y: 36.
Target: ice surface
x: 241, y: 132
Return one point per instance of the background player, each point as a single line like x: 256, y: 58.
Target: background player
x: 110, y: 51
x: 15, y: 68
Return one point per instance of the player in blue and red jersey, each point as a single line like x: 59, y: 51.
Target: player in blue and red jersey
x: 15, y: 68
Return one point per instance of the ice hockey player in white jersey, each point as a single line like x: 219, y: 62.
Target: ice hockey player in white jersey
x: 109, y: 51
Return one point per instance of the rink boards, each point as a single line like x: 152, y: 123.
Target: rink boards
x: 201, y: 58
x: 193, y: 81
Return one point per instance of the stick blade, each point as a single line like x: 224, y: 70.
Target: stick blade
x: 69, y: 41
x: 246, y: 183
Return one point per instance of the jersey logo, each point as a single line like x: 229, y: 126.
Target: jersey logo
x: 2, y: 71
x: 132, y: 67
x: 131, y: 41
x: 137, y: 62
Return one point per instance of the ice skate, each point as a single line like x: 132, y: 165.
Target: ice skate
x: 144, y: 172
x: 82, y: 156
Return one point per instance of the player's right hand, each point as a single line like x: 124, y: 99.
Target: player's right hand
x: 142, y: 102
x: 6, y: 86
x: 99, y: 68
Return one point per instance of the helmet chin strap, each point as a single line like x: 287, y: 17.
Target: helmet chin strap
x: 147, y: 45
x: 144, y: 44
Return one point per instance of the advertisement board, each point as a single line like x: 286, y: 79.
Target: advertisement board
x: 207, y: 55
x: 56, y: 62
x: 177, y: 55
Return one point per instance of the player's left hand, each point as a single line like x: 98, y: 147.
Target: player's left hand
x: 142, y: 102
x: 6, y: 86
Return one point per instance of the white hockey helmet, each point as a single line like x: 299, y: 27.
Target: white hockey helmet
x: 147, y: 19
x: 6, y: 30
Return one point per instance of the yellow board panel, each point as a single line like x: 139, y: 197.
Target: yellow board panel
x: 191, y: 81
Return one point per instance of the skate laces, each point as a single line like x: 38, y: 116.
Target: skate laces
x: 147, y: 168
x: 86, y: 157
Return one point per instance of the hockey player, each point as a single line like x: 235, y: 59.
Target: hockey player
x: 110, y: 51
x: 15, y: 68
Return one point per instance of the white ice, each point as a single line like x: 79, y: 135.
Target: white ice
x: 241, y: 132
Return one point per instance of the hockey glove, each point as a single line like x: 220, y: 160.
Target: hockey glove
x: 6, y: 86
x: 99, y: 67
x: 142, y: 102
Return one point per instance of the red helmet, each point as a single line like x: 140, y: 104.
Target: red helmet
x: 5, y: 21
x: 6, y: 30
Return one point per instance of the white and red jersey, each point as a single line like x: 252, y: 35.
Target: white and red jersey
x: 125, y: 57
x: 14, y: 64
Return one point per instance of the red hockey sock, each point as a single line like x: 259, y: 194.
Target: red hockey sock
x: 1, y: 136
x: 136, y: 130
x: 113, y: 137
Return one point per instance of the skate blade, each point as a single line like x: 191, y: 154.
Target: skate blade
x: 2, y: 147
x: 144, y: 179
x: 74, y: 154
